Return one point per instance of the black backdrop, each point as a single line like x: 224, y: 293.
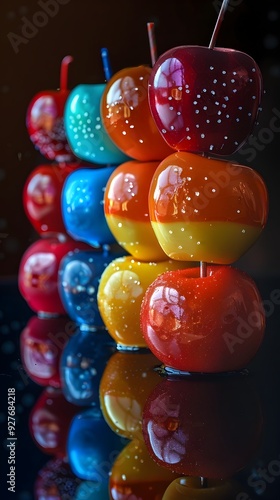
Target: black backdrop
x: 81, y: 28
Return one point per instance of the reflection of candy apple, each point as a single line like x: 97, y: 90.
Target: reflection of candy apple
x: 127, y: 212
x: 42, y: 197
x: 205, y: 100
x: 206, y: 209
x: 82, y: 362
x: 126, y: 115
x: 82, y: 206
x: 92, y: 446
x: 121, y: 289
x: 56, y: 481
x: 135, y: 475
x: 42, y: 341
x: 84, y: 129
x: 126, y: 382
x: 203, y: 427
x: 190, y: 488
x: 38, y: 273
x: 49, y: 422
x: 45, y: 122
x: 79, y: 275
x: 203, y: 324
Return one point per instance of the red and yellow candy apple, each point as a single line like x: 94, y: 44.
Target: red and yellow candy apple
x: 127, y: 211
x: 205, y: 209
x: 190, y: 488
x: 127, y: 118
x: 206, y: 324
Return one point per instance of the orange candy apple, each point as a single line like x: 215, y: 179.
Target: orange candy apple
x: 204, y: 209
x: 121, y: 289
x: 127, y: 212
x: 127, y: 381
x: 190, y: 488
x: 127, y: 118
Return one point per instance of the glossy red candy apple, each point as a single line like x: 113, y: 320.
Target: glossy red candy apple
x: 49, y: 422
x: 205, y: 100
x: 206, y: 209
x: 41, y: 343
x: 207, y: 427
x: 42, y: 197
x: 45, y: 119
x: 38, y: 273
x: 205, y: 324
x: 127, y: 212
x: 127, y: 118
x: 56, y: 481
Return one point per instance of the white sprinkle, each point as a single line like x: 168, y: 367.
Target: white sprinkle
x: 215, y: 81
x: 195, y: 102
x: 197, y: 111
x: 213, y: 92
x: 202, y: 136
x: 211, y: 147
x: 224, y: 72
x: 163, y: 131
x: 205, y: 108
x: 226, y: 137
x: 211, y: 67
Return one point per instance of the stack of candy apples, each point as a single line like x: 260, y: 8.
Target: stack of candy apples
x: 205, y: 208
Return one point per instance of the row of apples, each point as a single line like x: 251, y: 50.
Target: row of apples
x: 139, y: 218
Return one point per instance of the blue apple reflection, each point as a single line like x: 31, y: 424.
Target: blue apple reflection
x: 92, y: 447
x: 83, y: 360
x: 89, y: 490
x: 85, y: 132
x: 82, y: 206
x: 79, y: 276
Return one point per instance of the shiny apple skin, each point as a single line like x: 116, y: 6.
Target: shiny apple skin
x: 205, y: 100
x: 210, y: 324
x: 126, y: 115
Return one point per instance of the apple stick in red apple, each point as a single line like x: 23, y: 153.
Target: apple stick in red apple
x: 44, y: 119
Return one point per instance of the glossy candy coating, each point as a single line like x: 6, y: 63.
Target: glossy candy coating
x: 127, y: 212
x: 121, y: 290
x: 205, y: 209
x: 41, y: 343
x: 82, y: 362
x: 126, y: 115
x: 42, y: 197
x: 210, y: 324
x: 207, y: 427
x: 92, y: 446
x: 45, y: 125
x: 127, y: 381
x: 84, y: 129
x: 205, y: 100
x: 82, y: 206
x: 49, y: 422
x: 79, y: 275
x: 38, y: 273
x: 135, y: 474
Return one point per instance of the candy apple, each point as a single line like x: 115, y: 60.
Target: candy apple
x: 92, y: 446
x: 190, y: 488
x: 56, y: 481
x: 205, y: 209
x: 82, y: 202
x: 205, y: 324
x: 121, y: 290
x: 127, y: 381
x: 49, y: 422
x: 41, y: 343
x: 126, y: 115
x: 205, y: 100
x: 42, y: 197
x: 84, y: 129
x: 135, y: 475
x: 45, y: 122
x: 38, y: 273
x: 82, y: 362
x: 79, y: 276
x: 207, y: 427
x: 127, y: 211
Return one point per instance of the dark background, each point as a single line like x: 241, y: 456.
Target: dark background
x: 81, y: 28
